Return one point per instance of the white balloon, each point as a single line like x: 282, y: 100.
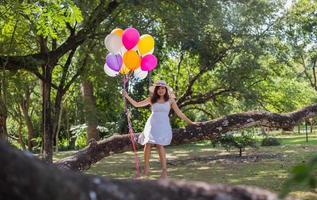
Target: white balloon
x: 113, y: 43
x: 140, y: 74
x: 107, y: 41
x: 123, y: 50
x: 109, y: 71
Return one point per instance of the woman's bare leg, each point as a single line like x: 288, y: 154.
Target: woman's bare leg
x: 147, y: 155
x: 162, y: 155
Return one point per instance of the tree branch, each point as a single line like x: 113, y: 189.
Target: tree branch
x: 200, y: 109
x: 66, y: 67
x: 34, y: 61
x: 208, y: 130
x: 30, y: 62
x: 23, y: 176
x: 91, y: 24
x: 202, y: 98
x: 189, y: 91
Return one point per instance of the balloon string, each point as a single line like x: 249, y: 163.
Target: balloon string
x: 131, y: 132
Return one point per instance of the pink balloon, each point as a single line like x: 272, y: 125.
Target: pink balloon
x: 148, y: 62
x: 130, y: 38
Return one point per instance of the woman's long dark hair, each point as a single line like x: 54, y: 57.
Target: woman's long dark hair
x: 155, y: 96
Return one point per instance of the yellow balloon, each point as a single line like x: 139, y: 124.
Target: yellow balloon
x: 146, y: 44
x: 117, y: 31
x: 131, y: 59
x: 124, y: 69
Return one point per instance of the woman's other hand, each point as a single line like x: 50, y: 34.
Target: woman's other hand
x: 124, y: 93
x: 196, y: 123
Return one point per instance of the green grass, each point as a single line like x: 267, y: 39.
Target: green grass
x: 298, y: 139
x: 186, y: 163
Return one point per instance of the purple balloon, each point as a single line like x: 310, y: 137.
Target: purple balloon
x: 114, y: 62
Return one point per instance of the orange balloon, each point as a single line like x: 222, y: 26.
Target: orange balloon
x: 117, y: 31
x: 124, y: 69
x: 131, y: 59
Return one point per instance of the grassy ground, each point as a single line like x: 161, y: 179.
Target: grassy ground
x: 201, y: 162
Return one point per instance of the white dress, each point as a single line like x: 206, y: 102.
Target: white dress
x: 157, y: 129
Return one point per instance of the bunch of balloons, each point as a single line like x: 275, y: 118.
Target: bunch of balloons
x: 129, y: 52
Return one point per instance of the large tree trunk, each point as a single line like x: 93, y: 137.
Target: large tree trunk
x: 47, y: 120
x: 90, y: 110
x: 208, y: 130
x: 24, y: 177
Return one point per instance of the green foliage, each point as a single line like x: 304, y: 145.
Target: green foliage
x: 15, y: 143
x: 229, y: 141
x: 270, y: 141
x: 108, y: 129
x: 78, y: 133
x: 64, y: 144
x: 303, y: 174
x: 52, y: 17
x: 252, y: 55
x: 38, y: 142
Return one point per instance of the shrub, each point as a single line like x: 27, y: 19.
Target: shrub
x: 270, y: 141
x: 241, y: 142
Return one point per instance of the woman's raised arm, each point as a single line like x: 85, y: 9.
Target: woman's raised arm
x: 143, y: 103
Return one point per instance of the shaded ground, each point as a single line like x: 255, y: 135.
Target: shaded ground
x: 266, y: 167
x: 227, y: 158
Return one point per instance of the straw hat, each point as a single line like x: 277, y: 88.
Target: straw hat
x: 162, y: 84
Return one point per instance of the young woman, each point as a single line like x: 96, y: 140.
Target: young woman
x: 157, y: 130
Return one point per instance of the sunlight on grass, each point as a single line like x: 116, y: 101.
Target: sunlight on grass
x: 307, y: 195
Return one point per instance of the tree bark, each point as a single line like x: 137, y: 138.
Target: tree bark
x: 28, y: 121
x: 47, y: 115
x: 90, y: 110
x: 58, y: 128
x: 208, y: 130
x: 3, y: 120
x: 20, y: 136
x: 24, y: 177
x: 57, y: 115
x: 47, y: 60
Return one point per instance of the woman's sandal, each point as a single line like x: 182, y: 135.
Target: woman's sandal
x: 146, y: 171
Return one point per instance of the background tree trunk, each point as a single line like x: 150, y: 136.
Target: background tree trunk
x: 3, y: 120
x: 208, y: 130
x: 28, y: 121
x: 58, y: 128
x: 90, y: 110
x: 20, y: 136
